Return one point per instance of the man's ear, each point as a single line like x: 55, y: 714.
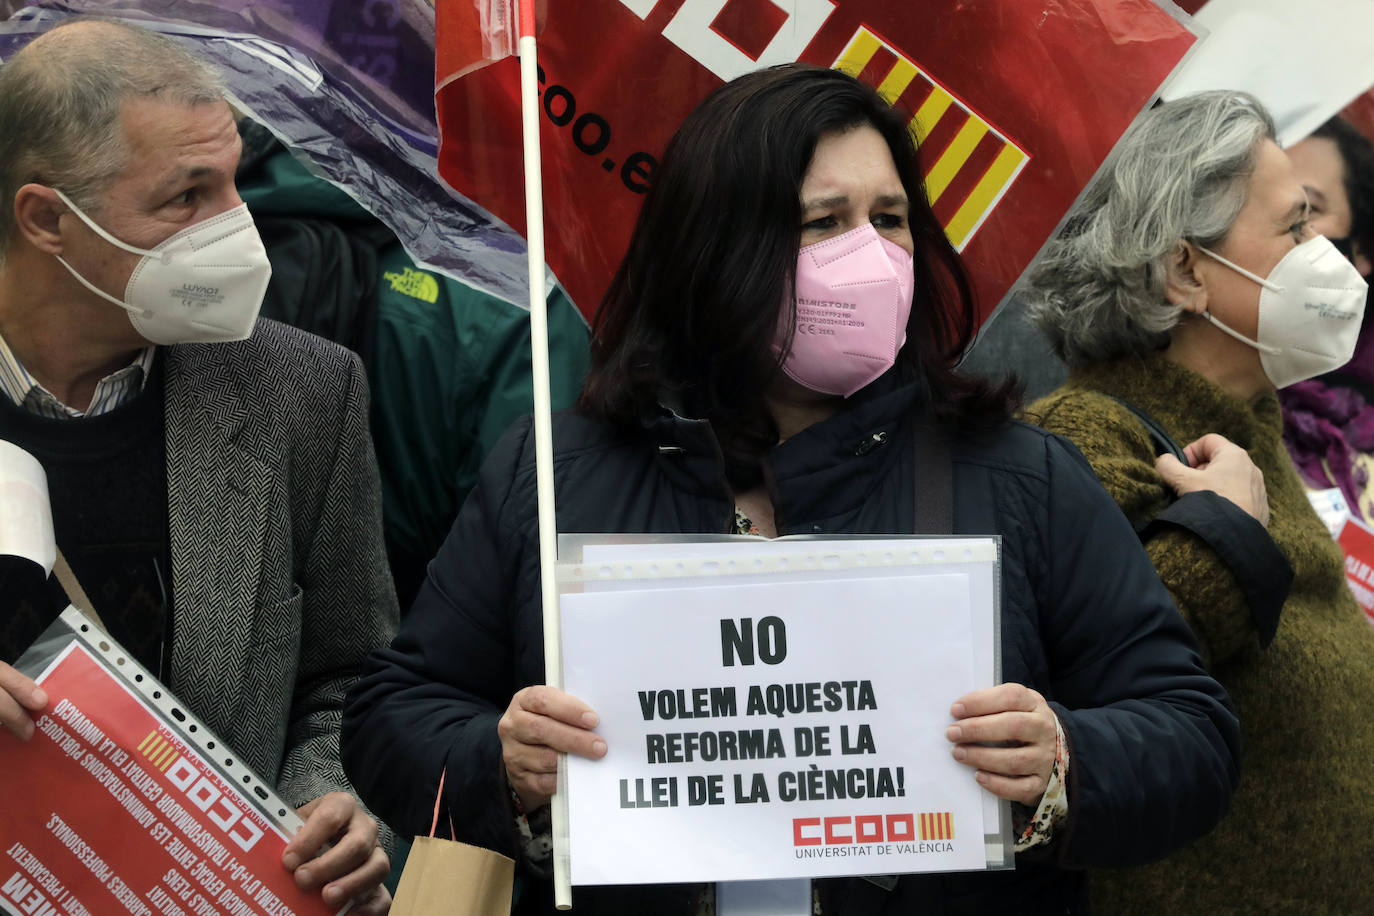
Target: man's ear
x: 37, y: 210
x: 1184, y: 286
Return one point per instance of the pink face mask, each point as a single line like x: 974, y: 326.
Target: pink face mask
x: 853, y: 301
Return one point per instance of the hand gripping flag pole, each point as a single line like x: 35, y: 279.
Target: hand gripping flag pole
x: 543, y: 427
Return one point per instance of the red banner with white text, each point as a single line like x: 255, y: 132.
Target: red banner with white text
x: 1357, y: 542
x: 1016, y: 106
x: 108, y: 810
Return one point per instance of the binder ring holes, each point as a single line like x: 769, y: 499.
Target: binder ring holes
x: 157, y: 694
x: 653, y: 569
x: 758, y: 563
x: 680, y: 569
x: 968, y: 554
x: 831, y: 561
x: 939, y: 556
x: 85, y: 628
x: 138, y: 679
x: 888, y: 558
x: 193, y: 728
x: 104, y: 646
x: 710, y: 566
x: 629, y: 571
x: 281, y: 812
x: 782, y: 562
x: 260, y: 792
x: 178, y: 714
x: 604, y: 572
x: 915, y: 556
x: 730, y: 566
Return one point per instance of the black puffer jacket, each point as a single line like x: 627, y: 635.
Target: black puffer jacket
x: 1085, y: 621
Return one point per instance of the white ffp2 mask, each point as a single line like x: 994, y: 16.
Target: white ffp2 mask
x: 1310, y: 310
x: 204, y: 284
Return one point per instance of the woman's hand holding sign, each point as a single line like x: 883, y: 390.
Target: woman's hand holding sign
x: 1007, y: 733
x: 539, y: 723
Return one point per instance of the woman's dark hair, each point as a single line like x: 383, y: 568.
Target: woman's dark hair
x: 690, y: 318
x: 1357, y: 155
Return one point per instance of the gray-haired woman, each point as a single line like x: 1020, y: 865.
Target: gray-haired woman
x: 1185, y: 288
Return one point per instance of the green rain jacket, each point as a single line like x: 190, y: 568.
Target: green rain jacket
x: 449, y: 366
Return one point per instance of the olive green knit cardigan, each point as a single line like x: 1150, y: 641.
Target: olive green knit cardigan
x: 1300, y: 835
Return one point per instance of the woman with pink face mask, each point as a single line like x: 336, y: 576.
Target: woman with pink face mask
x: 776, y: 356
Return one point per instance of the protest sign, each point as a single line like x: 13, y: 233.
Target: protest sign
x: 1015, y: 110
x: 122, y: 803
x: 25, y: 511
x: 1304, y: 61
x: 785, y: 725
x: 1357, y: 542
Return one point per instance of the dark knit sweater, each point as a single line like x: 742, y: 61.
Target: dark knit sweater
x: 107, y: 480
x: 1298, y: 838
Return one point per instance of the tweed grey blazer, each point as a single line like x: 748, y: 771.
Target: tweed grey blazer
x: 279, y: 576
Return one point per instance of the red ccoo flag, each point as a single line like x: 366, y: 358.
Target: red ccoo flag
x: 1016, y: 110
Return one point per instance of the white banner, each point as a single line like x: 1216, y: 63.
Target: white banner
x: 25, y: 513
x: 787, y: 728
x: 1304, y: 60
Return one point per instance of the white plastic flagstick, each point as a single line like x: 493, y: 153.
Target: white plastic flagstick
x: 543, y: 428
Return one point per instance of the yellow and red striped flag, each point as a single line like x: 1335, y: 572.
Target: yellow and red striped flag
x: 161, y: 752
x: 937, y: 825
x: 969, y: 164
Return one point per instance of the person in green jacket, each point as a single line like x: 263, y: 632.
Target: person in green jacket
x: 449, y: 365
x: 1183, y: 291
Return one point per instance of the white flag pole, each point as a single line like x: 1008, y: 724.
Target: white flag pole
x: 543, y: 426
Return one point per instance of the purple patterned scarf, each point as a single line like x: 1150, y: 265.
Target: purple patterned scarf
x: 1324, y: 427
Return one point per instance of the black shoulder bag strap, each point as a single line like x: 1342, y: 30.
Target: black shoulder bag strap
x: 934, y: 516
x: 934, y: 478
x: 1164, y: 443
x: 1262, y: 569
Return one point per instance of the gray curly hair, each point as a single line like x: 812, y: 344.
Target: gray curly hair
x: 61, y: 99
x: 1179, y: 173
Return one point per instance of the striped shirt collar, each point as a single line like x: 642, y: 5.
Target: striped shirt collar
x: 112, y: 391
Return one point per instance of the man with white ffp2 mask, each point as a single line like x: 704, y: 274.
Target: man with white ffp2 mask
x: 204, y: 284
x: 212, y: 480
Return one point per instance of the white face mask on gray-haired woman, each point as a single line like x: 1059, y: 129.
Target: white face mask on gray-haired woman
x: 205, y: 284
x: 1310, y: 309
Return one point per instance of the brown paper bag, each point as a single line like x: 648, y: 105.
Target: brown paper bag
x: 446, y: 878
